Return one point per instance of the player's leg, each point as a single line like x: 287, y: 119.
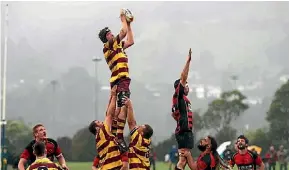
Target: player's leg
x: 123, y: 90
x: 185, y: 143
x: 181, y: 150
x: 189, y: 137
x: 120, y: 139
x: 114, y: 122
x: 182, y: 160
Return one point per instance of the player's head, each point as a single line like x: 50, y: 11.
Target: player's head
x: 208, y: 143
x: 146, y: 131
x: 186, y: 90
x: 242, y: 142
x: 39, y: 132
x: 105, y: 35
x: 94, y: 126
x: 272, y: 148
x: 39, y: 149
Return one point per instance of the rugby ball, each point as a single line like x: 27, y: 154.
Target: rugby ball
x: 128, y: 15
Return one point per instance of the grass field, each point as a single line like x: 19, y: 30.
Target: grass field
x: 87, y: 166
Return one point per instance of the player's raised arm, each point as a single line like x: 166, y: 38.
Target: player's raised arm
x: 130, y: 114
x: 111, y: 108
x: 124, y: 25
x: 184, y: 75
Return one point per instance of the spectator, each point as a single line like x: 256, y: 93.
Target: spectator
x: 281, y: 158
x: 153, y: 159
x: 227, y: 154
x: 167, y: 158
x: 254, y: 151
x: 173, y: 157
x: 4, y: 160
x: 271, y: 157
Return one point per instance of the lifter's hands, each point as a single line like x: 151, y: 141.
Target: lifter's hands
x: 126, y: 101
x: 113, y: 91
x: 64, y: 167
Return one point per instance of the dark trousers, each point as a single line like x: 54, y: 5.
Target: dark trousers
x: 272, y: 166
x: 283, y: 166
x: 153, y: 164
x: 122, y: 89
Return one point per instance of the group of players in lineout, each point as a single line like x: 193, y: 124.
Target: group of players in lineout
x: 113, y: 152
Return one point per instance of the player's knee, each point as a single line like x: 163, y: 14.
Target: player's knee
x: 125, y: 165
x: 182, y: 162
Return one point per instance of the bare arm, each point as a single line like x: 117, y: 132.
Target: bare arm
x: 192, y: 164
x: 94, y: 168
x: 130, y: 114
x: 21, y: 164
x: 130, y: 40
x: 262, y: 167
x: 111, y: 107
x: 184, y: 75
x: 62, y: 161
x: 124, y: 25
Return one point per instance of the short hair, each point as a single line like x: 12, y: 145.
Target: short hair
x: 176, y: 83
x: 92, y: 127
x: 148, y: 131
x: 34, y: 129
x: 243, y: 137
x: 39, y: 148
x: 102, y: 34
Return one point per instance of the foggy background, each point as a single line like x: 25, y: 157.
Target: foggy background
x: 51, y: 45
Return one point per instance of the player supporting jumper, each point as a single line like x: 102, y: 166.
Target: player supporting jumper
x: 140, y: 140
x: 182, y: 113
x: 107, y: 149
x: 117, y: 61
x: 41, y: 162
x: 53, y: 150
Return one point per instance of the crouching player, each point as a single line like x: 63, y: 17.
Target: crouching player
x: 109, y: 154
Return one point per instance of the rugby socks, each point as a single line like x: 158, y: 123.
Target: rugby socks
x: 114, y: 126
x: 120, y: 128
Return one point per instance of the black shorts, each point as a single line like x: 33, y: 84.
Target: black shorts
x: 185, y: 140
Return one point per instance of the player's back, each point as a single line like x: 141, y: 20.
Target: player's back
x: 43, y: 164
x: 138, y: 151
x: 109, y: 154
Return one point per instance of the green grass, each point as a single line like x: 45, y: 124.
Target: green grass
x: 87, y: 166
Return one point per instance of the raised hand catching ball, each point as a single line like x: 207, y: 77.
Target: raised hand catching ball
x: 128, y: 14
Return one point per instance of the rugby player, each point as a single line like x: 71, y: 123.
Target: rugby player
x: 42, y: 162
x: 209, y: 159
x: 53, y: 149
x: 117, y: 61
x: 244, y: 158
x: 107, y: 148
x: 115, y: 56
x: 140, y: 140
x: 182, y: 113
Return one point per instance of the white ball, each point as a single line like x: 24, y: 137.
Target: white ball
x: 128, y: 14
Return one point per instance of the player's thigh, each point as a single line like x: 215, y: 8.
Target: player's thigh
x: 185, y: 140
